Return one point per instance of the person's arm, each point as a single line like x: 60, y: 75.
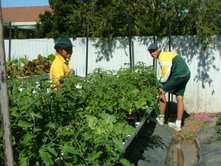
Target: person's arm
x: 165, y: 61
x: 165, y: 71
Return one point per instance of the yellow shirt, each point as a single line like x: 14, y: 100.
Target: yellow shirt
x: 165, y: 60
x: 59, y: 69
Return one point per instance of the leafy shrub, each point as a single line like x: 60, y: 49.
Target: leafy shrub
x: 129, y: 90
x: 83, y: 123
x: 23, y: 67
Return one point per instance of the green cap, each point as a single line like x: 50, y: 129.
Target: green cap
x: 63, y: 42
x: 152, y: 46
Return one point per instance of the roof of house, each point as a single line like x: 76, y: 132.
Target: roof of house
x: 23, y: 14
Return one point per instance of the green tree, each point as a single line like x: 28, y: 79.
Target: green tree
x: 205, y: 20
x: 98, y: 18
x: 111, y: 18
x: 59, y: 22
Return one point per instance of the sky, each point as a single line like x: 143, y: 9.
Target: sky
x: 19, y: 3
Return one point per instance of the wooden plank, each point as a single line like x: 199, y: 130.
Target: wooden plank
x: 6, y: 125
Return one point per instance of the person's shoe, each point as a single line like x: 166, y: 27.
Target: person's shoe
x: 160, y: 119
x: 174, y: 126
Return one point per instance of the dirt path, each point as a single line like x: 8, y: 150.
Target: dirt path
x: 192, y: 125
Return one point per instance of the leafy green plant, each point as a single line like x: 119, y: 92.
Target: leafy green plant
x: 15, y: 67
x: 218, y: 123
x: 126, y: 91
x: 23, y: 67
x: 85, y: 122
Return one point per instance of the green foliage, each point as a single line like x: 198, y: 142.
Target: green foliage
x: 23, y: 67
x: 15, y: 67
x: 218, y: 123
x: 83, y: 123
x: 134, y: 86
x: 140, y: 18
x: 95, y: 19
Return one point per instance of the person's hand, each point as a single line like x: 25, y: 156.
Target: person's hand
x: 161, y: 91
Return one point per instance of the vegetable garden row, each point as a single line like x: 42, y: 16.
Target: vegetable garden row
x: 86, y: 122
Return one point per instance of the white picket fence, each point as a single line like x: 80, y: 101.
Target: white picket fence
x: 202, y: 92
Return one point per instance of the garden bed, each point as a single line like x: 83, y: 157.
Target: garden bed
x: 85, y: 122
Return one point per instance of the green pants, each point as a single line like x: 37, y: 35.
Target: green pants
x: 176, y: 85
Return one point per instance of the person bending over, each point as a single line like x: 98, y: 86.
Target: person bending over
x: 174, y: 76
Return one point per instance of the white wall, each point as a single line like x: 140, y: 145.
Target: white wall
x: 202, y: 91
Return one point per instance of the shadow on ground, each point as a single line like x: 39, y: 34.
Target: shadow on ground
x: 150, y: 146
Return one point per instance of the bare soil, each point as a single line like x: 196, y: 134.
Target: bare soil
x: 193, y: 123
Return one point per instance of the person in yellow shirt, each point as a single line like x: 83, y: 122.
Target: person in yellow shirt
x: 59, y: 69
x: 175, y: 75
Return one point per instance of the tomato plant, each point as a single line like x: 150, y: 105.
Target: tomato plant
x: 85, y: 122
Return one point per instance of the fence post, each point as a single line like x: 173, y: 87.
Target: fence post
x: 10, y: 41
x: 6, y: 125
